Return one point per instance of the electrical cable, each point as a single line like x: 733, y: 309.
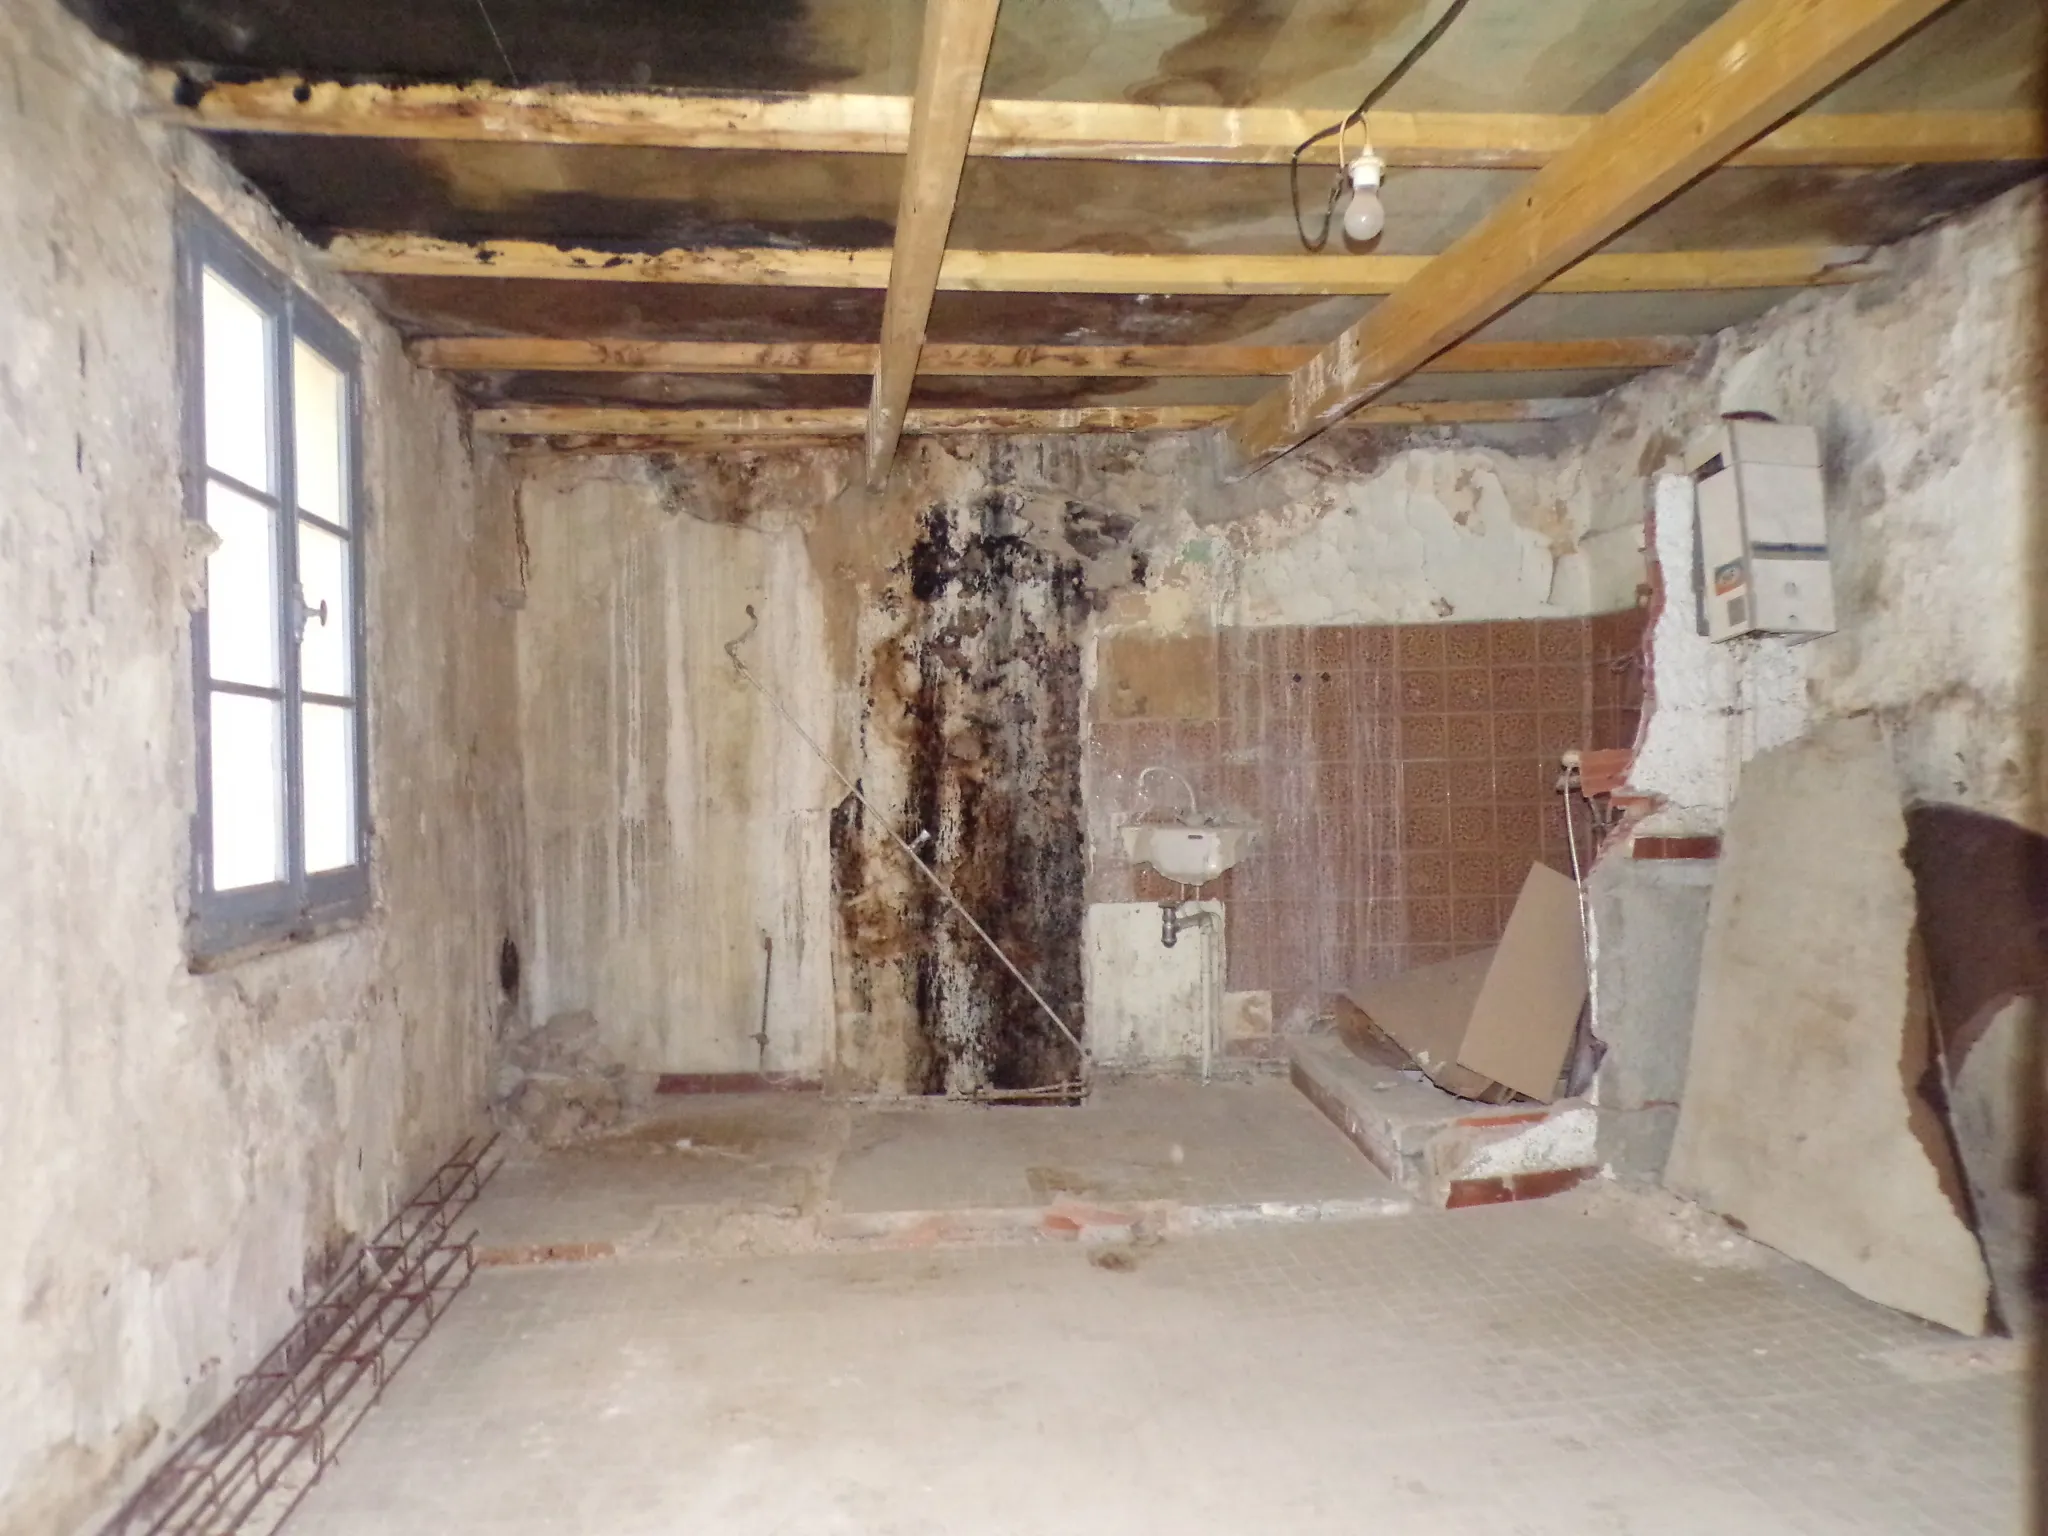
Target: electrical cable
x: 1386, y: 83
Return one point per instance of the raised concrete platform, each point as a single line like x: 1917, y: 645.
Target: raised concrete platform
x: 1441, y: 1149
x: 777, y: 1173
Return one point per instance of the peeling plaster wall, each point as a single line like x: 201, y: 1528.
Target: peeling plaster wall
x: 674, y: 819
x: 182, y: 1149
x: 1925, y: 389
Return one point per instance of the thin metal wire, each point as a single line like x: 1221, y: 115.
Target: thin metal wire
x: 510, y: 72
x: 732, y: 651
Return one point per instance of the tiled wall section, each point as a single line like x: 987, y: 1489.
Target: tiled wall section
x: 1402, y: 778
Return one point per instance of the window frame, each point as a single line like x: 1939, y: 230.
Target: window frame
x: 300, y: 905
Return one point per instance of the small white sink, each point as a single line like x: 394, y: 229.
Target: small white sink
x: 1187, y: 855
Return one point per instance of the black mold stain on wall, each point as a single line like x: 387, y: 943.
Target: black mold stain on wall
x: 764, y: 45
x: 987, y: 655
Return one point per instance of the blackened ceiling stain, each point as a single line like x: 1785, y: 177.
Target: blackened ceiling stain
x: 769, y: 392
x: 762, y: 45
x: 657, y: 199
x: 507, y: 306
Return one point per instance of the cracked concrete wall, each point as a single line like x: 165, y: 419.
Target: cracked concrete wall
x: 183, y: 1150
x: 674, y: 820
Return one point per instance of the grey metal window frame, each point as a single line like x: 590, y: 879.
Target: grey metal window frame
x: 300, y: 905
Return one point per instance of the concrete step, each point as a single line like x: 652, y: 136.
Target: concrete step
x: 1445, y: 1151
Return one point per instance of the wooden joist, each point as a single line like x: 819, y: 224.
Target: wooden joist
x: 952, y: 57
x: 1074, y: 271
x: 1761, y: 60
x: 547, y: 354
x: 866, y: 124
x: 849, y: 423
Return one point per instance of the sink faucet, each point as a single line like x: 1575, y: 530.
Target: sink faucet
x: 1194, y: 811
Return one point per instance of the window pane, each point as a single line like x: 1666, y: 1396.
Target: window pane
x: 323, y: 578
x: 328, y: 774
x: 241, y: 590
x: 236, y: 358
x: 318, y: 398
x: 248, y: 791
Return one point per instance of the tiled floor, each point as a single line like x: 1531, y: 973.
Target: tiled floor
x: 1522, y: 1370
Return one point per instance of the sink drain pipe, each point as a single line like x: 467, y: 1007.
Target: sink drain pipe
x: 1077, y: 1088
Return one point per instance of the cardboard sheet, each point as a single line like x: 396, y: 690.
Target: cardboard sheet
x: 1501, y: 1017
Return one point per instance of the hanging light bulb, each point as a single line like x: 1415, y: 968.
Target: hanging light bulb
x: 1367, y: 215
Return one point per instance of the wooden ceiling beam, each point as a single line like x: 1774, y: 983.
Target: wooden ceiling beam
x: 868, y: 124
x: 849, y: 423
x: 952, y: 58
x: 546, y: 354
x: 1761, y: 60
x: 1074, y: 271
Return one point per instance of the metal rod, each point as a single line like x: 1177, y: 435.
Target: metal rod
x: 732, y: 651
x: 336, y: 1359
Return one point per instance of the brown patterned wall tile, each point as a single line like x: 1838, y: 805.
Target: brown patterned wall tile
x: 1247, y: 945
x: 1474, y: 780
x: 1383, y: 922
x: 1468, y: 688
x: 1465, y: 645
x: 1330, y: 732
x: 1525, y: 780
x: 1566, y: 640
x: 1469, y: 737
x: 1290, y: 945
x: 1370, y: 646
x: 1422, y: 736
x: 1560, y: 732
x: 1374, y: 690
x: 1515, y: 688
x: 1514, y: 733
x: 1429, y: 920
x: 1475, y: 873
x: 1425, y: 783
x: 1517, y: 828
x: 1148, y: 742
x: 1329, y: 647
x: 1200, y: 745
x: 1430, y: 954
x: 1422, y: 693
x: 1472, y: 826
x: 1425, y: 826
x: 1560, y: 687
x: 1475, y: 919
x: 1427, y: 873
x: 1420, y: 646
x: 1511, y: 642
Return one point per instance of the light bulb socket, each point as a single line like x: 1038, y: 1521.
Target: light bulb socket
x: 1366, y: 172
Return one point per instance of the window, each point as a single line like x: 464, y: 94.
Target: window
x: 273, y: 449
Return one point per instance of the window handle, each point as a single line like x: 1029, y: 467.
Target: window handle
x: 305, y: 613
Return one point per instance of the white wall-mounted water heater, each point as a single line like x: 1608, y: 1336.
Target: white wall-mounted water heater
x: 1761, y: 536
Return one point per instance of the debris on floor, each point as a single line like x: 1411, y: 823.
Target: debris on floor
x: 1497, y: 1022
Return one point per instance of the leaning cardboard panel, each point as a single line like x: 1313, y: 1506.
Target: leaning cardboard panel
x: 1497, y: 1018
x: 1801, y: 1115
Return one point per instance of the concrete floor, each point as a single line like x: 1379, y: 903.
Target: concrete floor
x: 1520, y: 1369
x: 776, y: 1172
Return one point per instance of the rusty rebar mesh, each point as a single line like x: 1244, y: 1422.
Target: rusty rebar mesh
x: 245, y: 1470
